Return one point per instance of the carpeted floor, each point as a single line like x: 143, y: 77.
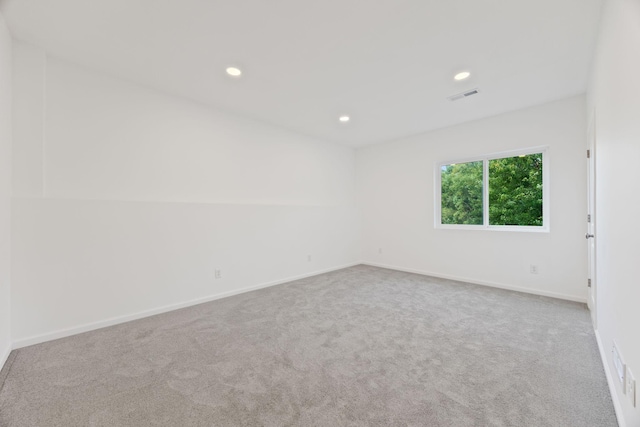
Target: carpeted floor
x: 362, y: 346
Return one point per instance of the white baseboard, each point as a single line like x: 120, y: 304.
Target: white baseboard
x: 612, y: 385
x: 481, y: 282
x: 37, y: 339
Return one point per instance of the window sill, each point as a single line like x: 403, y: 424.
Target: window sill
x: 501, y: 228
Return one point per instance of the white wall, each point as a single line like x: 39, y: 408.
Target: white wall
x: 126, y: 200
x: 396, y: 196
x: 5, y: 189
x: 614, y: 94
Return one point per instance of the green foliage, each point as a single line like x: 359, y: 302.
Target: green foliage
x: 462, y: 193
x: 515, y: 190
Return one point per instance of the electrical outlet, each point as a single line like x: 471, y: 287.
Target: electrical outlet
x: 631, y: 387
x: 533, y: 269
x: 380, y: 251
x: 218, y: 274
x: 309, y: 258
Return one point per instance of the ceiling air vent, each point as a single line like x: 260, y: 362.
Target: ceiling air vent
x: 464, y: 94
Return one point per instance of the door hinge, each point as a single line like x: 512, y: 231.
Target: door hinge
x: 588, y: 283
x: 588, y: 154
x: 589, y: 218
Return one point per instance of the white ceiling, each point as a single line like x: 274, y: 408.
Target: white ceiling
x: 387, y: 63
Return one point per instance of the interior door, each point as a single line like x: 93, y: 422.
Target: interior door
x: 591, y: 220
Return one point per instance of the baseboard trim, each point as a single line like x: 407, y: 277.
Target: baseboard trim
x: 612, y: 385
x: 480, y: 282
x: 50, y: 336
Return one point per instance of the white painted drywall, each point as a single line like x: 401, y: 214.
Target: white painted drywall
x: 5, y: 190
x: 614, y: 95
x: 129, y: 200
x: 28, y: 119
x: 396, y: 197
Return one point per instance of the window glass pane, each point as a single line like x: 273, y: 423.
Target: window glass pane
x: 515, y: 190
x: 462, y: 193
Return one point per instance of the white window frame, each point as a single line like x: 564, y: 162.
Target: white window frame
x: 544, y: 228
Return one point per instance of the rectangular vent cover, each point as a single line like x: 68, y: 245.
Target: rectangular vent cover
x: 464, y: 94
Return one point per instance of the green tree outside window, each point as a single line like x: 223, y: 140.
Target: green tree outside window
x: 462, y: 193
x: 515, y: 190
x: 515, y: 186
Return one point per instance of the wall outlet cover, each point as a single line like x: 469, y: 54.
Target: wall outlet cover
x: 631, y: 386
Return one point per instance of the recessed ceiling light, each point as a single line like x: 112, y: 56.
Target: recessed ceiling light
x: 344, y: 119
x: 462, y: 75
x: 234, y: 71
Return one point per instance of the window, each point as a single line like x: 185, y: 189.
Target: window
x: 505, y: 191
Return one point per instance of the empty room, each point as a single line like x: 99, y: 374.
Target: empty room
x: 319, y: 213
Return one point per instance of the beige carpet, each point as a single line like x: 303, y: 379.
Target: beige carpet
x: 362, y: 346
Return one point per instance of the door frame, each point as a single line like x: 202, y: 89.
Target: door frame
x: 592, y: 295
